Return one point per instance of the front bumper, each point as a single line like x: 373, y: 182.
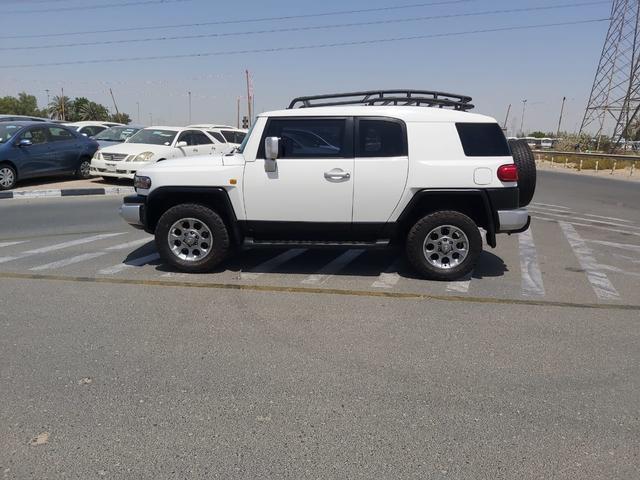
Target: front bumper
x: 132, y: 211
x: 122, y: 169
x: 513, y: 221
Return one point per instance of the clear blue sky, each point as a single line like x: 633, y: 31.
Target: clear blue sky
x: 498, y: 68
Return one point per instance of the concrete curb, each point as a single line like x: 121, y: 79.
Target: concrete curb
x: 67, y: 192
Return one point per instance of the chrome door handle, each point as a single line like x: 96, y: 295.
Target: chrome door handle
x: 337, y: 175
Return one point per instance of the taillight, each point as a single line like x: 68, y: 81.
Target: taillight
x: 508, y: 173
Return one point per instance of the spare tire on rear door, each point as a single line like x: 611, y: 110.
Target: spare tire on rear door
x: 526, y: 164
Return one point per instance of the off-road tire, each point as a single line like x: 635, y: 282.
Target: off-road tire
x: 526, y: 164
x: 219, y: 247
x: 418, y: 234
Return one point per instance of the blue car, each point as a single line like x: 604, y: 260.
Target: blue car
x: 37, y: 149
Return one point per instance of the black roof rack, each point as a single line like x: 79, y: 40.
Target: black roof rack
x: 419, y: 98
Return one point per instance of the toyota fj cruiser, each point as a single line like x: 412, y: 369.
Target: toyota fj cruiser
x: 365, y: 169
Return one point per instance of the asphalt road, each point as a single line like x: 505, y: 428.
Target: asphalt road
x: 322, y: 364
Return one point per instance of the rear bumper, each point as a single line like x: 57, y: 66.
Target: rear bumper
x: 513, y: 221
x: 132, y: 210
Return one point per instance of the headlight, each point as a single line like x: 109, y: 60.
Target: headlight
x: 142, y: 157
x: 143, y: 183
x: 98, y: 155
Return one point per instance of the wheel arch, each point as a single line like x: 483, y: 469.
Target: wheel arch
x: 216, y: 198
x: 474, y: 203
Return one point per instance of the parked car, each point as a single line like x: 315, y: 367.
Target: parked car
x: 39, y: 149
x: 114, y: 135
x: 153, y: 144
x: 90, y: 128
x: 232, y: 136
x: 365, y: 168
x: 22, y: 118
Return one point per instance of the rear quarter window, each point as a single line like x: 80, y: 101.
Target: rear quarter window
x: 483, y: 140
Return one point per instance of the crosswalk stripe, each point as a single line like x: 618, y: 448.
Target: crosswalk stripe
x: 272, y: 264
x: 59, y: 246
x: 551, y: 205
x: 607, y: 218
x: 8, y: 244
x: 136, y: 262
x: 600, y: 283
x: 580, y: 224
x: 134, y: 243
x: 389, y: 278
x: 460, y: 286
x: 68, y: 261
x: 599, y: 222
x: 548, y: 209
x: 532, y: 284
x: 333, y: 267
x: 623, y: 246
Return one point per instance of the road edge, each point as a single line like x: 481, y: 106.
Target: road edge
x: 66, y: 192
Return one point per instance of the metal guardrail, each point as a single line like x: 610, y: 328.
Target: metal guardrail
x: 578, y: 159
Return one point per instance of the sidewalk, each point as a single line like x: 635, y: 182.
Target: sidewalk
x: 57, y: 187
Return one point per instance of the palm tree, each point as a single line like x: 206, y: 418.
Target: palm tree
x: 94, y: 111
x: 60, y: 107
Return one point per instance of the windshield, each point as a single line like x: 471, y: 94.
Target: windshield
x: 116, y: 134
x: 7, y: 131
x: 153, y: 137
x: 242, y: 146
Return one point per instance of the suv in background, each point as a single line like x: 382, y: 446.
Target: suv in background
x: 364, y: 168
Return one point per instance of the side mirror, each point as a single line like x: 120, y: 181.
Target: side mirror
x: 25, y: 142
x: 271, y: 150
x: 181, y: 144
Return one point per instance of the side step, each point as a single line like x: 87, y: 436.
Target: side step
x: 250, y: 242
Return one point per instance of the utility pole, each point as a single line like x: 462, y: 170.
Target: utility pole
x: 506, y: 119
x: 564, y: 99
x: 138, y: 105
x: 238, y: 114
x: 47, y: 90
x: 114, y: 102
x: 249, y: 98
x: 524, y: 108
x: 189, y: 92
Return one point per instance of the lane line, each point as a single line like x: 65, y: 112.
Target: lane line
x: 607, y: 218
x: 68, y: 261
x: 460, y: 286
x: 390, y: 277
x: 136, y: 262
x: 272, y: 264
x: 551, y: 205
x: 333, y: 267
x: 320, y: 291
x: 8, y: 244
x: 134, y: 243
x: 600, y: 222
x: 532, y: 285
x: 59, y: 246
x: 617, y: 230
x: 600, y: 283
x: 547, y: 209
x: 623, y: 246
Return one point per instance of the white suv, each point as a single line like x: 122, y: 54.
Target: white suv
x: 366, y: 168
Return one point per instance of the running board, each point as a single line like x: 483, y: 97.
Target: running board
x: 250, y: 242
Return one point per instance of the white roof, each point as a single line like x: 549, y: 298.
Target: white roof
x: 92, y: 123
x: 407, y: 113
x: 212, y: 126
x: 162, y: 127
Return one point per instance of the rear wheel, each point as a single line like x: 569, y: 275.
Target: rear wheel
x: 192, y: 238
x: 444, y: 245
x: 84, y: 169
x: 8, y: 177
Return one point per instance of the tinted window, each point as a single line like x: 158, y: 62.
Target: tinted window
x: 217, y: 136
x: 59, y: 134
x: 7, y: 131
x: 233, y: 136
x: 240, y: 137
x: 483, y: 140
x: 381, y: 138
x: 199, y: 138
x: 302, y: 138
x: 36, y: 135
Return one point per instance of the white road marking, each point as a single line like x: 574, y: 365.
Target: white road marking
x: 532, y: 285
x: 136, y: 262
x: 606, y: 229
x: 272, y: 264
x: 600, y: 222
x: 607, y: 218
x: 134, y: 243
x: 548, y: 209
x: 625, y: 257
x: 551, y: 205
x: 68, y: 261
x: 389, y: 278
x: 623, y: 246
x: 600, y: 283
x: 333, y: 267
x: 8, y: 244
x: 460, y: 286
x: 59, y: 246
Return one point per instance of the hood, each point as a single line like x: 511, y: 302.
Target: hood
x: 107, y: 143
x: 136, y: 148
x: 199, y: 162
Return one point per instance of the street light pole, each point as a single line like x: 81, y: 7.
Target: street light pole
x: 564, y: 99
x: 138, y: 105
x: 524, y: 107
x: 189, y: 107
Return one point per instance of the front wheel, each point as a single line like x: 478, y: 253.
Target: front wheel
x: 444, y: 245
x: 192, y: 238
x: 8, y: 177
x: 84, y: 169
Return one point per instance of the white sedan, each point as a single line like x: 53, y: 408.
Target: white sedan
x: 150, y: 145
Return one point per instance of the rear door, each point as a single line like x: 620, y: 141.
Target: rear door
x: 35, y: 159
x: 381, y: 169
